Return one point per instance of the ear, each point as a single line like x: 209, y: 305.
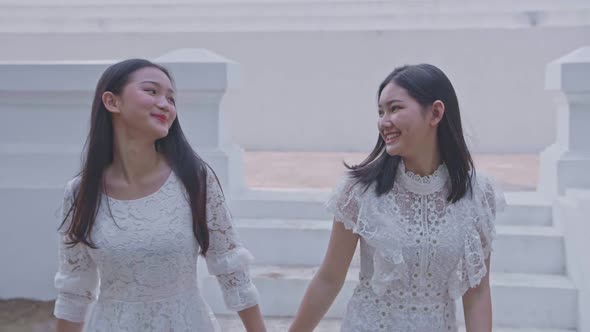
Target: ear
x: 438, y: 111
x: 111, y: 102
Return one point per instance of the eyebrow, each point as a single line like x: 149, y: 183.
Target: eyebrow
x: 389, y: 102
x: 160, y: 85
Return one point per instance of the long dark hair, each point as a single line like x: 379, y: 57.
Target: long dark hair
x: 426, y: 84
x: 185, y: 163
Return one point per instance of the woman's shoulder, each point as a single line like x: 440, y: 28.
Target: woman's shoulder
x: 72, y: 186
x: 487, y: 195
x: 483, y: 179
x: 351, y: 188
x: 485, y: 184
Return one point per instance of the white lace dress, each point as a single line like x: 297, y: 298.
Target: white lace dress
x: 146, y: 264
x: 418, y: 252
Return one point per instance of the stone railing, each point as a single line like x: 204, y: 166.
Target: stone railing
x: 566, y: 163
x: 565, y: 166
x: 572, y: 214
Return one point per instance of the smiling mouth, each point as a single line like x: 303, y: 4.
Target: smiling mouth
x: 391, y: 137
x: 162, y: 118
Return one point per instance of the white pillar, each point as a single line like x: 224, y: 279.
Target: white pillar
x: 566, y: 163
x: 45, y: 111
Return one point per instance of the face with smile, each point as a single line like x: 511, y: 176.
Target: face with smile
x: 146, y: 107
x: 405, y: 125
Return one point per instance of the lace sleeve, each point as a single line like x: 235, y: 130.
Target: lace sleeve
x: 344, y: 203
x: 77, y: 278
x: 226, y: 258
x: 492, y: 202
x: 480, y: 214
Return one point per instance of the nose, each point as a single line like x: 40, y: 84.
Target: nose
x: 163, y: 104
x: 384, y: 122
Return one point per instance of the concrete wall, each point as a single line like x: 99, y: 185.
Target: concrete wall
x: 316, y: 90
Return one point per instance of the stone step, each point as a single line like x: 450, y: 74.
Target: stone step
x: 304, y: 242
x: 532, y: 301
x: 21, y: 170
x: 232, y: 323
x: 524, y: 208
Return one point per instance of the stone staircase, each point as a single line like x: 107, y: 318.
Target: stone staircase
x: 82, y: 16
x: 288, y: 232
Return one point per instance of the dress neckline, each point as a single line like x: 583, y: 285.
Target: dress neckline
x: 422, y: 185
x: 139, y: 199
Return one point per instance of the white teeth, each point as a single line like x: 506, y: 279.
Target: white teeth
x: 392, y: 136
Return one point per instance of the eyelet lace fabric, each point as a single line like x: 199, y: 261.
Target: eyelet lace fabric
x: 419, y: 253
x: 143, y: 275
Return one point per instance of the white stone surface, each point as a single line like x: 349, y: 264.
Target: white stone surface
x: 524, y: 208
x: 304, y: 242
x: 248, y: 15
x: 573, y: 212
x: 292, y: 98
x: 44, y: 108
x: 565, y: 163
x: 54, y: 116
x: 519, y: 300
x: 570, y: 73
x: 315, y: 91
x: 232, y: 323
x: 28, y: 241
x: 531, y: 289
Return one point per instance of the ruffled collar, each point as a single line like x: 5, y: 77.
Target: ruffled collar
x: 422, y: 185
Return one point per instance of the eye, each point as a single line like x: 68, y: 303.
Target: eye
x: 151, y: 91
x: 395, y: 108
x: 172, y: 101
x: 380, y: 112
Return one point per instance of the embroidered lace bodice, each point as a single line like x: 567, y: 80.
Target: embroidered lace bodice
x: 418, y: 252
x: 146, y: 262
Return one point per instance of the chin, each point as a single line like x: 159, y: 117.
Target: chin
x: 158, y: 134
x: 163, y: 135
x: 392, y: 151
x: 159, y: 131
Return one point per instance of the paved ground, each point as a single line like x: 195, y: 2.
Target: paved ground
x: 516, y: 172
x: 284, y: 170
x: 19, y: 315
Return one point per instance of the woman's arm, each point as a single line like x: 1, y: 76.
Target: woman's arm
x: 328, y: 281
x: 76, y: 280
x: 252, y: 319
x: 228, y: 260
x: 477, y: 305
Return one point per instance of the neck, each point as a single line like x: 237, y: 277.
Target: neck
x: 425, y: 163
x: 134, y: 160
